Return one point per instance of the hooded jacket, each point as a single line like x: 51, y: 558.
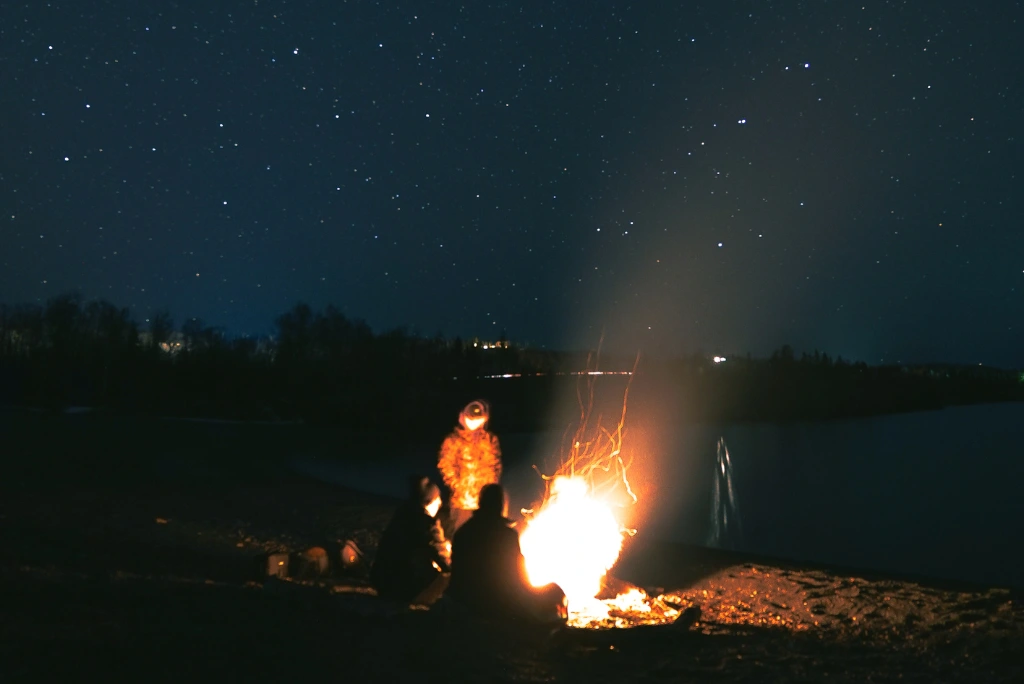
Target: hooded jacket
x: 469, y: 459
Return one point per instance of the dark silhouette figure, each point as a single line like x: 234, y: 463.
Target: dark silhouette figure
x: 413, y: 556
x: 489, y: 572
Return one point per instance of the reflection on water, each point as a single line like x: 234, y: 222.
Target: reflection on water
x: 725, y: 530
x: 934, y: 493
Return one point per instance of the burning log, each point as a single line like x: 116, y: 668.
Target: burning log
x: 613, y: 586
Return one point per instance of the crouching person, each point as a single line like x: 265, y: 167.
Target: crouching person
x: 413, y: 558
x: 489, y: 572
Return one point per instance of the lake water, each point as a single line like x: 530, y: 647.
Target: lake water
x: 934, y: 493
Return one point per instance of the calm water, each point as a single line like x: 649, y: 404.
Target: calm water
x: 936, y: 493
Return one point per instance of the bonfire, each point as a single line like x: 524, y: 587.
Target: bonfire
x: 573, y: 537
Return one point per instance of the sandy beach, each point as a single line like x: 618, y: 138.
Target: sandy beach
x: 154, y: 576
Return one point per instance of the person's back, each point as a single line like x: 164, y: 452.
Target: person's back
x: 487, y: 565
x: 489, y: 571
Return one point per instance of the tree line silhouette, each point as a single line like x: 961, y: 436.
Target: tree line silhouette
x: 319, y: 366
x: 323, y: 367
x: 817, y: 387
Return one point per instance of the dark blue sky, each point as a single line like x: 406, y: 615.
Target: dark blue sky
x: 716, y: 176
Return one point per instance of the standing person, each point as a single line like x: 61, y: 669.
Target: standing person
x: 413, y: 557
x: 470, y: 458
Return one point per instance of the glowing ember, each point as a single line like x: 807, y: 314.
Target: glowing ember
x: 634, y: 601
x: 630, y: 609
x: 572, y: 541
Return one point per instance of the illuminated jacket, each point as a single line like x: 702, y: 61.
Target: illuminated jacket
x: 469, y: 459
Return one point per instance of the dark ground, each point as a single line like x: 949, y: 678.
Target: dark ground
x: 117, y: 566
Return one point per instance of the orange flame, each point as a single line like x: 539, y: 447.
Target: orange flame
x: 574, y: 537
x: 573, y: 541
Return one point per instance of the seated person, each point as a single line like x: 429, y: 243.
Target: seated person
x: 413, y: 554
x: 489, y: 572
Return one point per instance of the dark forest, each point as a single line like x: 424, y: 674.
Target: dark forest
x: 321, y: 367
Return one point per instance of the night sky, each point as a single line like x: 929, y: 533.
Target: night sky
x: 712, y: 176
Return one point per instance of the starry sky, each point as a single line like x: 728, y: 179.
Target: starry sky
x: 713, y: 176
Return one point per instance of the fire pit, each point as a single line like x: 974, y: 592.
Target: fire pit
x: 573, y: 537
x: 632, y: 608
x: 573, y: 541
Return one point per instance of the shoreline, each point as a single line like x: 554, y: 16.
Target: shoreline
x: 131, y: 571
x: 123, y: 412
x: 118, y: 447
